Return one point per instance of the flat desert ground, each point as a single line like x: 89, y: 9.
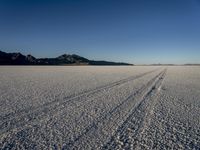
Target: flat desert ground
x: 94, y: 107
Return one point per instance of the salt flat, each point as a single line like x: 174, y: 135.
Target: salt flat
x: 94, y: 107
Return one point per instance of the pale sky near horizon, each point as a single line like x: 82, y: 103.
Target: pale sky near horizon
x: 134, y: 31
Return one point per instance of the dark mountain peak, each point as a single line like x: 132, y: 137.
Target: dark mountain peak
x: 17, y: 56
x: 12, y: 59
x: 30, y: 58
x: 64, y: 56
x: 72, y: 58
x: 3, y: 54
x: 75, y: 55
x: 80, y: 58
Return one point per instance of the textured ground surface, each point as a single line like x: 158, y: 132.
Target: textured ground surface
x: 99, y: 107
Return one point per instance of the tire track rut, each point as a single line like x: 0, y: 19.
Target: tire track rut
x: 23, y: 117
x: 128, y: 134
x: 99, y: 132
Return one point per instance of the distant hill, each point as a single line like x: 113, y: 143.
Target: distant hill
x: 65, y: 59
x: 16, y: 59
x: 191, y: 64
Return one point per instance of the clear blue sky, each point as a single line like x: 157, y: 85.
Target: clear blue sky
x: 135, y: 31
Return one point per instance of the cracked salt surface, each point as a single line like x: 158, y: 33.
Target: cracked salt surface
x: 91, y: 107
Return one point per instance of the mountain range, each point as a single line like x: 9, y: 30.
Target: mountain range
x: 65, y: 59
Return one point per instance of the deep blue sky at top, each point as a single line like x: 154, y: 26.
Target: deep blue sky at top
x: 135, y: 31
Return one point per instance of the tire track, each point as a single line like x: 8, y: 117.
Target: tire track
x: 29, y: 115
x: 97, y: 133
x: 128, y: 134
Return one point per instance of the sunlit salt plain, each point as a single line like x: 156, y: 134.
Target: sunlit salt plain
x: 94, y: 107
